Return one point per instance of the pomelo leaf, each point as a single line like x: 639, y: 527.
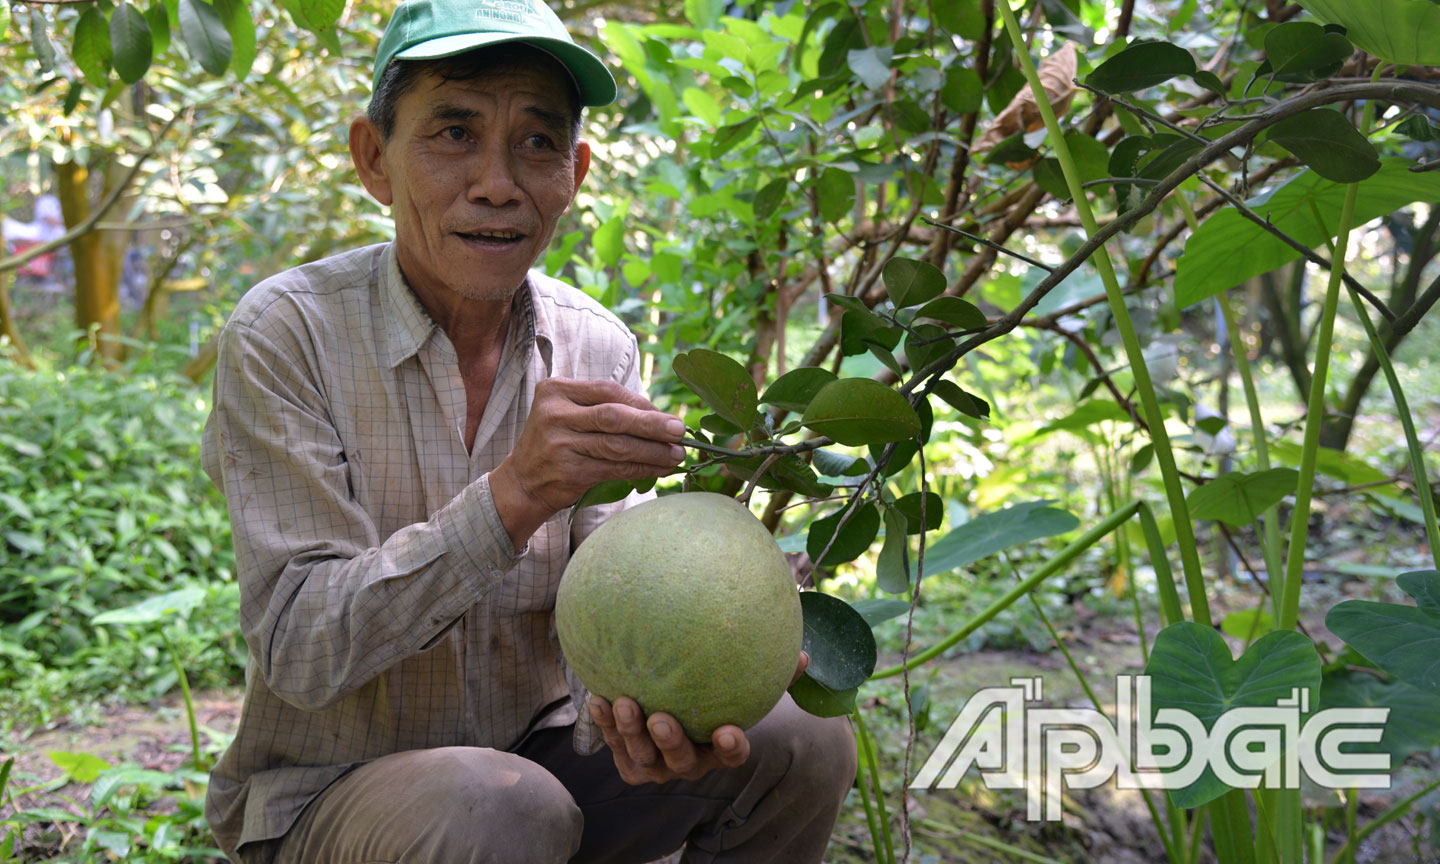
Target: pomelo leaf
x: 205, y: 35
x: 892, y: 568
x: 955, y: 312
x: 910, y: 282
x: 839, y: 642
x: 854, y: 537
x: 910, y: 506
x: 815, y: 698
x: 1302, y: 52
x: 859, y: 329
x: 130, y: 42
x: 91, y: 49
x: 1328, y: 143
x: 1238, y: 499
x: 961, y: 400
x: 856, y: 411
x: 1141, y: 65
x: 833, y: 464
x: 603, y: 493
x: 722, y: 382
x: 926, y: 344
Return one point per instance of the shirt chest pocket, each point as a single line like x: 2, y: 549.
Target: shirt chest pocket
x: 531, y: 585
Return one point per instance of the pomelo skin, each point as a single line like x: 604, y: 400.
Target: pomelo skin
x: 686, y: 605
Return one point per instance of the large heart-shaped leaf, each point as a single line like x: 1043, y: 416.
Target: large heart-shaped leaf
x: 1402, y: 640
x: 989, y: 533
x: 858, y: 411
x: 1410, y: 727
x: 722, y: 382
x: 1401, y: 31
x: 1191, y: 669
x: 1229, y: 249
x: 1238, y: 499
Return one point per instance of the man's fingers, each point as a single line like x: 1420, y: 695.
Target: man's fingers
x: 597, y: 392
x: 634, y: 736
x: 731, y: 747
x: 801, y: 666
x: 613, y: 418
x: 681, y: 755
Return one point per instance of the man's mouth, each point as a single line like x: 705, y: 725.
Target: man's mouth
x: 499, y: 239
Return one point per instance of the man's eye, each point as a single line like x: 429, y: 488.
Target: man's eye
x: 539, y: 142
x: 455, y: 133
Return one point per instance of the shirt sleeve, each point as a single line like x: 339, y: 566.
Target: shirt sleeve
x: 326, y: 606
x: 588, y: 739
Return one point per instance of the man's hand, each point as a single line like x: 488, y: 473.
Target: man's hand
x: 656, y: 750
x: 580, y: 433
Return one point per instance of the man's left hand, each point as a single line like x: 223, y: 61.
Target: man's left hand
x: 657, y: 750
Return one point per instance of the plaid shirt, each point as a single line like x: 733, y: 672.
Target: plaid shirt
x: 381, y: 599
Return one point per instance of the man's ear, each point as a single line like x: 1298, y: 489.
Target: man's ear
x: 366, y: 148
x: 582, y: 165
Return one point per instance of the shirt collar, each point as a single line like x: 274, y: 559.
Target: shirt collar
x: 409, y: 326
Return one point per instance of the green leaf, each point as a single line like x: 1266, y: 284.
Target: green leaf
x: 910, y: 506
x: 721, y: 382
x: 854, y: 538
x: 91, y: 51
x: 607, y: 492
x: 1010, y: 151
x: 1210, y: 81
x: 991, y: 532
x: 1239, y: 499
x: 815, y: 698
x: 726, y: 137
x: 885, y: 356
x: 1087, y: 414
x: 1328, y: 143
x: 1400, y: 31
x: 961, y: 400
x: 963, y: 90
x: 240, y: 24
x: 877, y: 610
x: 319, y: 16
x: 40, y: 39
x: 179, y: 602
x: 1302, y: 52
x: 961, y: 17
x: 955, y: 312
x: 1410, y: 726
x: 1191, y: 669
x: 205, y: 35
x: 770, y: 197
x: 861, y: 411
x: 159, y: 21
x: 1049, y: 176
x: 130, y: 42
x: 1402, y: 640
x: 836, y: 192
x: 892, y: 568
x: 839, y: 642
x: 788, y: 472
x: 871, y: 65
x: 910, y: 117
x: 833, y: 464
x: 794, y: 390
x: 859, y: 328
x: 1417, y: 128
x: 112, y: 781
x: 4, y: 31
x: 927, y: 344
x: 1230, y: 249
x: 910, y: 282
x: 717, y: 425
x: 1141, y: 65
x: 1248, y: 623
x: 81, y: 767
x: 704, y: 14
x: 609, y: 240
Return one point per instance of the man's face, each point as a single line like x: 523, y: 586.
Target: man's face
x: 477, y: 173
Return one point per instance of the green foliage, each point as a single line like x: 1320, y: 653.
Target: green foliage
x: 105, y: 505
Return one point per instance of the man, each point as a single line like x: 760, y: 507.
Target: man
x: 399, y: 432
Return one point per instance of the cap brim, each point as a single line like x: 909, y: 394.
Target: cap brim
x: 594, y: 82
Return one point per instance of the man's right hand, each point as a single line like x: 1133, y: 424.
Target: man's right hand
x: 580, y: 433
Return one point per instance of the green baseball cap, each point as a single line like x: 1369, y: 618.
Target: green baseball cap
x: 430, y: 29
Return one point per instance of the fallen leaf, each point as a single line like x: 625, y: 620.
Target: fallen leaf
x: 1057, y: 76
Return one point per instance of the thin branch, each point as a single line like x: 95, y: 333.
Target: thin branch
x: 990, y: 243
x: 1309, y: 254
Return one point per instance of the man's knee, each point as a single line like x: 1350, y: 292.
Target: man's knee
x: 484, y: 790
x: 820, y: 751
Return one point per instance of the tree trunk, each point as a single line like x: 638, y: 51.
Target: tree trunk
x: 7, y: 319
x: 98, y: 256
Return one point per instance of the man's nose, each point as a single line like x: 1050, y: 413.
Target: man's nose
x: 492, y: 177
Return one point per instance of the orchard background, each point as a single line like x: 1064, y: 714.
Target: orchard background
x: 1077, y: 338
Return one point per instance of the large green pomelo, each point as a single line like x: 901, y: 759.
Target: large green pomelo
x: 686, y: 605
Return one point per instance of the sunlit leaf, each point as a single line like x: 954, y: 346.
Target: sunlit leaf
x: 861, y: 411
